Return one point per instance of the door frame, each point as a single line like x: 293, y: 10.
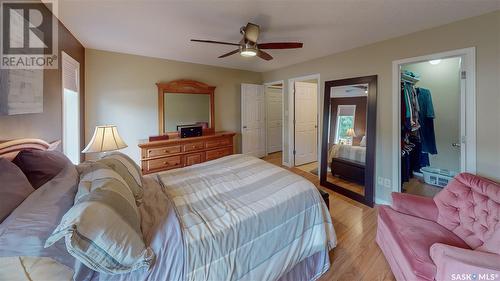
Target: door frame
x: 282, y: 117
x: 467, y: 104
x: 291, y: 115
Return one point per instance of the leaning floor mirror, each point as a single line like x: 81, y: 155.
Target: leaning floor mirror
x: 348, y: 140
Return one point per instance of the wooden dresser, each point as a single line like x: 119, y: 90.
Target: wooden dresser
x: 178, y: 152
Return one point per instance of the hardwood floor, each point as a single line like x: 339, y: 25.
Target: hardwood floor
x: 352, y: 186
x: 357, y: 256
x: 419, y: 187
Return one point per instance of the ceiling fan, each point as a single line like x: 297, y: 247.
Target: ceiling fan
x: 248, y: 46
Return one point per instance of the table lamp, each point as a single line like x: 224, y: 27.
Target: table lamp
x: 351, y: 134
x: 105, y: 138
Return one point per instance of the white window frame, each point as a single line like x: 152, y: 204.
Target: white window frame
x: 337, y: 127
x: 68, y: 58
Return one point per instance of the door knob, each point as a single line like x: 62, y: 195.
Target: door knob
x: 244, y: 127
x: 456, y: 145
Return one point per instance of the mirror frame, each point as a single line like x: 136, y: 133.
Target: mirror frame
x: 184, y: 86
x: 371, y: 123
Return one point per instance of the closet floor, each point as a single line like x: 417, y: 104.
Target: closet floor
x: 418, y: 187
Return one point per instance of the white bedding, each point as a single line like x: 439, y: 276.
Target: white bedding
x: 245, y: 219
x: 274, y: 224
x: 33, y: 269
x: 350, y: 152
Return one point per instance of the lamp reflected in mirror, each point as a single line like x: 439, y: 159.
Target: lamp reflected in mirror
x: 351, y: 134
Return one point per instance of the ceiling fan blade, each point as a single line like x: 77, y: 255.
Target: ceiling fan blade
x: 252, y: 32
x: 280, y: 45
x: 215, y: 42
x: 263, y: 55
x: 230, y: 53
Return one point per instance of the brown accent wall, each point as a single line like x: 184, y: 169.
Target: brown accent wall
x: 359, y: 118
x: 48, y: 124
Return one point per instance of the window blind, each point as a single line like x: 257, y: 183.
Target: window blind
x: 70, y: 70
x: 346, y: 110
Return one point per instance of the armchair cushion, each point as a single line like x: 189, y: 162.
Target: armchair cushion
x: 452, y: 262
x: 470, y: 207
x: 408, y: 239
x: 492, y: 245
x: 414, y: 205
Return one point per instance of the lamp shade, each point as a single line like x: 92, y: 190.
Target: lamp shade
x: 350, y: 132
x: 105, y: 138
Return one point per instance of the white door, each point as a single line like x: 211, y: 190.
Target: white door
x: 253, y: 121
x: 306, y: 123
x: 274, y: 103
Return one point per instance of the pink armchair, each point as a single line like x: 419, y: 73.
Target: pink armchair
x: 453, y: 236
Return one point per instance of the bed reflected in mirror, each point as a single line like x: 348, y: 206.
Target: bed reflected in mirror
x: 348, y: 138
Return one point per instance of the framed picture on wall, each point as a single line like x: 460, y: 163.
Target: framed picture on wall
x: 21, y: 91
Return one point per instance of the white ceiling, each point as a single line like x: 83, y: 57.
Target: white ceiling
x: 163, y: 28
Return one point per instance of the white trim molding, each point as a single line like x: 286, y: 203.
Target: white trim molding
x: 468, y: 104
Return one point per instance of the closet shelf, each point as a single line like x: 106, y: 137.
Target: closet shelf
x: 408, y: 78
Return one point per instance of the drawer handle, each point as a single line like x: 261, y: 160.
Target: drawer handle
x: 167, y: 163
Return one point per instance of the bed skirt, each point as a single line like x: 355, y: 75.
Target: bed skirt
x: 310, y: 269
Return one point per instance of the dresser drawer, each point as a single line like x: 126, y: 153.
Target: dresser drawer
x: 164, y: 163
x: 217, y: 142
x: 218, y: 153
x: 163, y: 151
x: 194, y: 146
x: 194, y: 158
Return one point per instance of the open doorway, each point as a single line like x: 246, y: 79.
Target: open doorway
x: 283, y: 128
x: 303, y: 133
x: 274, y: 104
x: 436, y: 132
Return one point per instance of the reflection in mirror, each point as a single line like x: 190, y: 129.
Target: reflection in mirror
x: 175, y: 113
x: 347, y: 137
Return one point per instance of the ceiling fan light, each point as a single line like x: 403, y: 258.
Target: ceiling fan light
x: 248, y: 52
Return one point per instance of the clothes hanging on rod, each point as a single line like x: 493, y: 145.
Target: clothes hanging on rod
x: 417, y: 126
x: 426, y: 116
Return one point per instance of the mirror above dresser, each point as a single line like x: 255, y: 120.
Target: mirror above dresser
x: 184, y: 103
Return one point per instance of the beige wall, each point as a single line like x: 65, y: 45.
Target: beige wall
x: 48, y: 124
x: 481, y: 32
x: 443, y: 80
x: 121, y: 90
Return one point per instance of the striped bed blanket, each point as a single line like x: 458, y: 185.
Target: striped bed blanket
x: 351, y: 152
x: 245, y: 219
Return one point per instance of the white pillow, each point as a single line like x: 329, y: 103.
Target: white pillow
x: 103, y: 228
x: 363, y: 141
x: 127, y: 169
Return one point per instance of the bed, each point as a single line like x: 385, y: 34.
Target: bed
x: 234, y: 218
x: 348, y: 162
